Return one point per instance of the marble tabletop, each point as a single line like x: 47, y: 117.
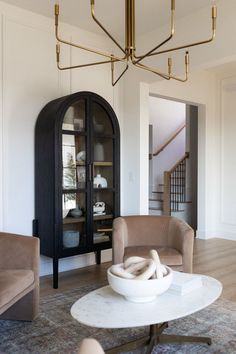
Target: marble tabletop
x: 103, y: 308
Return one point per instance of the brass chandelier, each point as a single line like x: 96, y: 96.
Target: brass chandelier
x: 129, y: 52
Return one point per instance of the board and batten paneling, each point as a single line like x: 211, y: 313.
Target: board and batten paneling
x: 228, y: 148
x: 30, y: 79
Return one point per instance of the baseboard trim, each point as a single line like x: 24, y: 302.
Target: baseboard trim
x: 75, y: 262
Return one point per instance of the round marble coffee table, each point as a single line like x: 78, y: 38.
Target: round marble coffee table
x: 103, y: 308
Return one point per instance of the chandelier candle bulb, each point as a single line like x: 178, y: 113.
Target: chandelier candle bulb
x: 169, y: 65
x: 214, y: 15
x: 56, y: 12
x: 172, y: 5
x: 58, y: 52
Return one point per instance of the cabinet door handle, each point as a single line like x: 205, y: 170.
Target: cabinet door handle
x: 91, y: 172
x: 104, y: 230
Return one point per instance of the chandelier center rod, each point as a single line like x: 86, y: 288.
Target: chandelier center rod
x: 130, y: 28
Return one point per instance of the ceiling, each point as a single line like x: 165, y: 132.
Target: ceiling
x: 150, y: 14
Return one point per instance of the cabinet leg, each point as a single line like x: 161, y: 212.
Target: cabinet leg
x: 98, y: 256
x: 55, y: 273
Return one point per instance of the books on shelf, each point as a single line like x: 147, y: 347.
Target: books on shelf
x: 100, y: 237
x: 184, y: 283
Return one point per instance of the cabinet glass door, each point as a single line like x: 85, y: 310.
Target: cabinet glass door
x: 103, y: 172
x: 74, y: 118
x: 74, y: 186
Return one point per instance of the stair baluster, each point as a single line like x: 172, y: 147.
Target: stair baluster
x: 175, y: 186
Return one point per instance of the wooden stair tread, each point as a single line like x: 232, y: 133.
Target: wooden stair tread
x: 155, y: 208
x: 177, y: 211
x: 160, y: 209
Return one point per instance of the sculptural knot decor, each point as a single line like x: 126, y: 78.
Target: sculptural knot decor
x: 139, y: 279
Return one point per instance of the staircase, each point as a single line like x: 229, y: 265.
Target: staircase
x: 170, y: 196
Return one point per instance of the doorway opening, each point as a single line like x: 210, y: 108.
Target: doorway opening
x: 173, y: 159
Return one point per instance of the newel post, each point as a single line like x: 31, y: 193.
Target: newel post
x: 166, y: 195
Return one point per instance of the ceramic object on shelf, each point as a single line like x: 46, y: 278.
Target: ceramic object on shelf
x: 81, y: 156
x: 99, y: 208
x: 99, y: 182
x: 98, y: 152
x: 140, y: 290
x: 71, y: 238
x: 77, y: 212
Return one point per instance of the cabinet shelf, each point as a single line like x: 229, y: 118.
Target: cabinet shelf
x: 74, y: 190
x: 102, y: 217
x: 96, y: 163
x: 71, y: 220
x: 104, y: 189
x: 103, y: 163
x: 74, y: 132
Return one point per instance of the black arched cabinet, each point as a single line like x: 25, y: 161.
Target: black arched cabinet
x: 77, y: 177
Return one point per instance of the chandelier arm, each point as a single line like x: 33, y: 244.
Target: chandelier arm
x: 80, y: 65
x: 120, y: 76
x: 165, y: 75
x: 214, y: 15
x: 182, y: 47
x: 172, y: 31
x: 103, y: 28
x: 106, y: 55
x: 154, y: 71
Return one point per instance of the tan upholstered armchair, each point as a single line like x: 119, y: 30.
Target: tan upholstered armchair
x: 19, y: 277
x: 171, y: 237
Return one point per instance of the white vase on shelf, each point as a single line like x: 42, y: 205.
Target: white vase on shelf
x: 99, y: 182
x: 98, y: 152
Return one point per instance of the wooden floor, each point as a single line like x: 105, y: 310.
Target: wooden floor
x: 214, y: 257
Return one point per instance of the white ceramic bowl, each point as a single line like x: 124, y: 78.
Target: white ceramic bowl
x: 140, y: 290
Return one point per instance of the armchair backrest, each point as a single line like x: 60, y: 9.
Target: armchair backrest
x: 19, y: 252
x: 145, y: 230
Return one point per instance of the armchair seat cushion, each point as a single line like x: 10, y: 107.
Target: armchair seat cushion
x: 14, y: 282
x: 168, y: 255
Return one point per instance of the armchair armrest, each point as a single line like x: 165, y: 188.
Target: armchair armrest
x: 19, y: 252
x: 119, y: 240
x: 181, y: 237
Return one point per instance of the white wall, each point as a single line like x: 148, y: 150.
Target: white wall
x: 166, y: 117
x: 135, y: 146
x: 226, y: 145
x: 29, y: 79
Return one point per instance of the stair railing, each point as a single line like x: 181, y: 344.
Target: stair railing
x: 167, y: 142
x: 175, y: 186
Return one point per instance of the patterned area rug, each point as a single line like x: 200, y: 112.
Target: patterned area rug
x: 55, y: 331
